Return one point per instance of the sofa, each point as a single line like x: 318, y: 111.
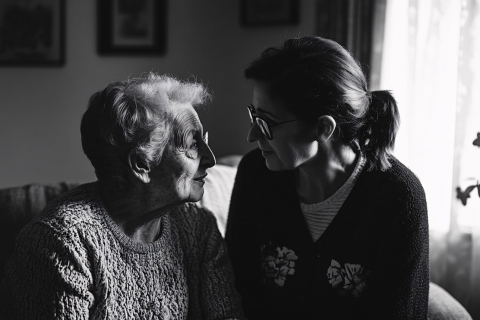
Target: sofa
x: 18, y: 205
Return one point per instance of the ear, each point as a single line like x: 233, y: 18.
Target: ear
x: 325, y: 127
x: 139, y: 169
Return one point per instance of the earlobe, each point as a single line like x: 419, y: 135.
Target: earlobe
x: 139, y: 169
x: 326, y: 128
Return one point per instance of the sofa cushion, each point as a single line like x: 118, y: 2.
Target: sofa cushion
x: 217, y: 192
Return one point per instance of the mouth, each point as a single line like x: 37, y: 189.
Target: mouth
x: 265, y: 152
x: 201, y: 178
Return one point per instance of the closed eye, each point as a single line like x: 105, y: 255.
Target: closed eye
x: 192, y: 151
x: 194, y: 145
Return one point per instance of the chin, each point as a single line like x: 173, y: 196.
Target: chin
x: 275, y: 165
x: 196, y: 195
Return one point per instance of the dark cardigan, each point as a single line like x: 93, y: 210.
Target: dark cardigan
x: 370, y: 263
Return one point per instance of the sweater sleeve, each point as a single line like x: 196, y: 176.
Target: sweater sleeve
x: 220, y: 300
x: 401, y: 288
x: 47, y: 277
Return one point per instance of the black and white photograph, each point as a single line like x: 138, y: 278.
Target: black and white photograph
x: 240, y: 159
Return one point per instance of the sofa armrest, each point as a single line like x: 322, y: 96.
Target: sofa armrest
x: 442, y: 306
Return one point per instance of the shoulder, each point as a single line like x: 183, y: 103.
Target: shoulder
x: 53, y: 236
x: 195, y: 228
x: 65, y: 224
x: 190, y: 219
x: 397, y: 190
x: 397, y: 180
x: 402, y: 180
x: 78, y: 206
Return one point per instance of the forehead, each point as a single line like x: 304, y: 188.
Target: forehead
x: 265, y: 101
x: 185, y: 117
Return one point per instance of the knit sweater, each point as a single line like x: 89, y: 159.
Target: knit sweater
x: 73, y: 262
x: 370, y: 263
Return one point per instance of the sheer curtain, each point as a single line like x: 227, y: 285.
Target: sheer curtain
x: 431, y: 62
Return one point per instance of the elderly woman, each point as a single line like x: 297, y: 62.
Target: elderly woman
x: 131, y: 245
x: 324, y: 222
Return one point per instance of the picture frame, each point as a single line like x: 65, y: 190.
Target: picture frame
x: 32, y: 33
x: 255, y: 13
x: 131, y: 27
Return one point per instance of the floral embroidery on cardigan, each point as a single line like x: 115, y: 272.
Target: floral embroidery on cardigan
x: 349, y: 279
x: 278, y: 262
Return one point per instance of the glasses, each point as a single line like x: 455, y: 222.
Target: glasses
x: 265, y: 126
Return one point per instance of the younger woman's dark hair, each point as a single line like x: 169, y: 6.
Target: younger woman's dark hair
x: 315, y: 76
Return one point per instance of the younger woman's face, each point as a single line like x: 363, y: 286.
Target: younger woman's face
x: 293, y: 143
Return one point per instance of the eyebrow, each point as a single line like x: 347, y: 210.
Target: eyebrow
x: 265, y: 112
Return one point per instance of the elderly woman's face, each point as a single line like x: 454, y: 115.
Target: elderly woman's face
x: 180, y: 176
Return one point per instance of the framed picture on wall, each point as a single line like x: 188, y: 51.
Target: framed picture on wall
x: 269, y: 12
x: 32, y: 32
x: 131, y: 27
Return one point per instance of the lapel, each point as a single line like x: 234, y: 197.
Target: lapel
x: 347, y: 217
x: 285, y: 216
x: 286, y: 228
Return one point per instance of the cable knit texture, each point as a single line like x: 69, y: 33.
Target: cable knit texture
x: 370, y: 263
x: 73, y: 262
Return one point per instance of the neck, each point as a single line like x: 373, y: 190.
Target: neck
x: 320, y: 178
x: 135, y: 214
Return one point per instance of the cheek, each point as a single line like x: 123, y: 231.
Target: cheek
x: 173, y: 174
x: 183, y: 175
x: 304, y: 152
x: 293, y: 152
x: 183, y: 182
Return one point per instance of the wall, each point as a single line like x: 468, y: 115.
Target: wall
x: 41, y: 108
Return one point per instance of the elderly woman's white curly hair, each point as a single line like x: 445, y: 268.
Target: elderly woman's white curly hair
x: 134, y: 115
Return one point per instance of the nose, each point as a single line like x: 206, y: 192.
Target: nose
x: 208, y: 158
x: 255, y: 133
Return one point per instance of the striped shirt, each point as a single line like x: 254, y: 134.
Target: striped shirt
x: 318, y: 216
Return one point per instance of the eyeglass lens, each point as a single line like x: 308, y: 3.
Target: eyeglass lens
x: 264, y: 127
x: 261, y: 123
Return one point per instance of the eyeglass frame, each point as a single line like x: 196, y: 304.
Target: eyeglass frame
x: 265, y: 127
